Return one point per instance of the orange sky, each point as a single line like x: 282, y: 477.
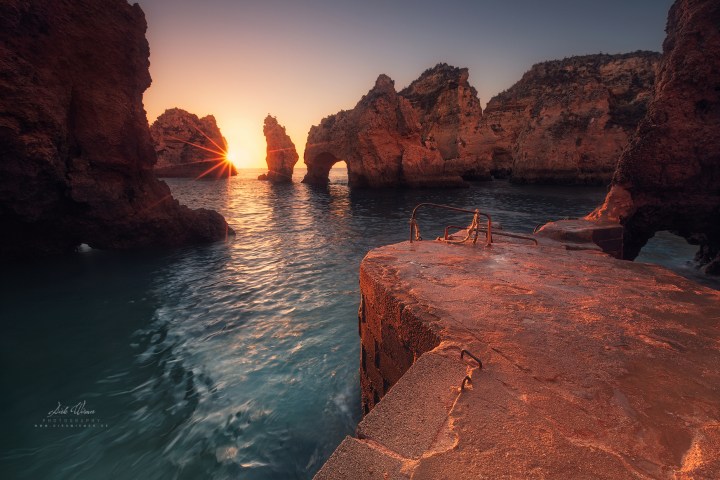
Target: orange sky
x: 302, y: 61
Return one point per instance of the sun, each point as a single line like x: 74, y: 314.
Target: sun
x: 232, y: 157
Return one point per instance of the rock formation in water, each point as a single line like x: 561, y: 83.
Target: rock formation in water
x: 281, y: 154
x: 567, y: 121
x: 669, y: 176
x: 449, y: 112
x: 381, y: 142
x: 76, y: 156
x: 188, y: 146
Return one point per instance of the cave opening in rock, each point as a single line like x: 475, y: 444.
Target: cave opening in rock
x: 502, y: 162
x: 319, y: 168
x: 668, y: 249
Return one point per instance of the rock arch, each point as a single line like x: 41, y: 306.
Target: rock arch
x: 319, y: 167
x: 381, y: 142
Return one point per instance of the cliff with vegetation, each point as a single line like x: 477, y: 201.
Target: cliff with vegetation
x: 188, y: 146
x: 567, y: 121
x: 76, y: 153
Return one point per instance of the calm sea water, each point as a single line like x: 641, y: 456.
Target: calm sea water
x: 233, y: 360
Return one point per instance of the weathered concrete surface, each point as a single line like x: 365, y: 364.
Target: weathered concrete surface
x: 410, y: 428
x: 593, y: 367
x: 358, y: 460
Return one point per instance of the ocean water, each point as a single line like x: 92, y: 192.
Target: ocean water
x: 231, y: 360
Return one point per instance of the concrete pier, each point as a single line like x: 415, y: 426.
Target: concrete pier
x: 592, y: 367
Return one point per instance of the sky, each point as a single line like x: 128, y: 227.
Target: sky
x: 303, y: 60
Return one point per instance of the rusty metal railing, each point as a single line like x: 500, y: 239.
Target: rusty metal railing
x: 472, y: 231
x: 474, y: 226
x: 496, y: 232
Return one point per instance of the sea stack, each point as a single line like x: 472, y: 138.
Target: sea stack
x: 669, y: 176
x: 567, y: 121
x: 188, y: 146
x: 449, y: 112
x: 381, y: 142
x: 77, y: 156
x: 281, y: 154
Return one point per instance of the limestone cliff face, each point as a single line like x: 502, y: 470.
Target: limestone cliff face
x: 381, y: 142
x: 669, y: 176
x: 281, y: 154
x: 76, y: 155
x: 567, y: 121
x: 188, y: 146
x: 449, y: 112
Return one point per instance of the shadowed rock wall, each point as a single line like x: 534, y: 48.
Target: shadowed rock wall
x: 76, y: 155
x: 668, y: 178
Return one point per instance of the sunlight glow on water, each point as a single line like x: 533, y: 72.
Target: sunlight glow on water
x: 235, y: 360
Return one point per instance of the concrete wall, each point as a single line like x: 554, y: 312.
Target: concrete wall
x: 392, y: 337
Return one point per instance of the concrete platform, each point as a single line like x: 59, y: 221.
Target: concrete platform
x: 592, y: 367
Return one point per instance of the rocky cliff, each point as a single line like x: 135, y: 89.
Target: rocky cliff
x: 669, y: 176
x: 381, y: 142
x: 567, y: 121
x: 188, y: 146
x: 281, y: 154
x: 76, y: 155
x: 449, y: 112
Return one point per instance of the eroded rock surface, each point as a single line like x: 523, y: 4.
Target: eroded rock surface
x: 75, y: 148
x: 281, y: 154
x: 669, y: 176
x: 188, y: 146
x: 381, y: 142
x: 449, y: 112
x: 567, y: 121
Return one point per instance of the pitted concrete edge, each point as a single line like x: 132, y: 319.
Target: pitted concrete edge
x: 358, y: 460
x: 416, y: 408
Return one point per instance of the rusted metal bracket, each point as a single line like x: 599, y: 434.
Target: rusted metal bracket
x: 463, y: 352
x: 467, y: 378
